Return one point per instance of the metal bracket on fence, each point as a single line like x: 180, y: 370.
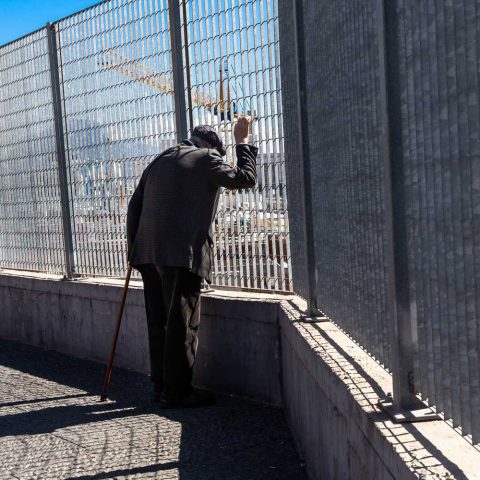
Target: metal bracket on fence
x: 60, y: 150
x: 313, y: 319
x: 206, y: 288
x: 417, y: 412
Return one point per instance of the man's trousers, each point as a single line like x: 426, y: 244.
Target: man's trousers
x: 172, y: 302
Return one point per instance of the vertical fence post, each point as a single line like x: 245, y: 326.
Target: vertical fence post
x: 187, y: 65
x: 404, y: 406
x: 313, y: 313
x: 176, y: 45
x: 60, y: 150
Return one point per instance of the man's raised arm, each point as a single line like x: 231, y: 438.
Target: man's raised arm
x: 244, y: 174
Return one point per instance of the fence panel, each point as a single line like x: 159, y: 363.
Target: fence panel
x: 116, y: 73
x: 441, y: 116
x: 234, y: 69
x: 433, y: 82
x: 31, y: 236
x: 342, y: 81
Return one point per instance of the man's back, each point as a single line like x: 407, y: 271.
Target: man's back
x: 172, y: 209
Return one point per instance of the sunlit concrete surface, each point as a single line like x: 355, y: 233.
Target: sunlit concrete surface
x: 52, y: 425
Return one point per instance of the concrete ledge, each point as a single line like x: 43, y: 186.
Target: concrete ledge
x: 331, y: 388
x: 253, y: 345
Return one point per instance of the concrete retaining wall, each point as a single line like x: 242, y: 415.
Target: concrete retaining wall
x: 253, y: 345
x: 238, y: 345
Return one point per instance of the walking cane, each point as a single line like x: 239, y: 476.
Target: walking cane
x: 108, y: 373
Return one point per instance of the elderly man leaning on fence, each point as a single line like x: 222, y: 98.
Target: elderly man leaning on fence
x: 169, y: 242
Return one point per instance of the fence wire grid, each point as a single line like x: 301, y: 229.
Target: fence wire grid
x: 31, y: 234
x: 390, y: 101
x: 118, y: 112
x: 234, y: 69
x: 441, y: 121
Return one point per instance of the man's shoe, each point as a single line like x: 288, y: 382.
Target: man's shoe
x: 197, y: 398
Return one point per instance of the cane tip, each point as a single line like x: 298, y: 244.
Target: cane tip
x: 103, y: 397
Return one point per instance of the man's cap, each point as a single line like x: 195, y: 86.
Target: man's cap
x: 209, y: 134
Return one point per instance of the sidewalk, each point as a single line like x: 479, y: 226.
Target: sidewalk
x: 52, y: 426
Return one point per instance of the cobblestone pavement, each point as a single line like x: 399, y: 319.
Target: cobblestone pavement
x: 53, y: 426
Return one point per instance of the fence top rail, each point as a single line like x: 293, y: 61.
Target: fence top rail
x: 56, y: 21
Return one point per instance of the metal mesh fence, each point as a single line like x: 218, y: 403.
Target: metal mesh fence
x: 431, y: 109
x: 233, y: 69
x: 347, y: 181
x: 30, y: 214
x: 441, y: 121
x: 118, y: 114
x: 341, y: 76
x: 117, y: 105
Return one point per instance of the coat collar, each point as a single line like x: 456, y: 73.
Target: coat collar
x: 188, y: 143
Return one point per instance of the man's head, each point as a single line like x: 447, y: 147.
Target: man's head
x: 206, y: 136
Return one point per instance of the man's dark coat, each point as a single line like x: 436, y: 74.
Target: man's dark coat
x: 172, y: 209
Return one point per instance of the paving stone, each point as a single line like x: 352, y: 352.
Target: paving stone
x: 52, y: 426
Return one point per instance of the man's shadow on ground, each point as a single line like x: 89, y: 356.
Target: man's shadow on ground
x: 236, y: 439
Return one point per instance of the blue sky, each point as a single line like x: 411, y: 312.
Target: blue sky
x: 19, y: 17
